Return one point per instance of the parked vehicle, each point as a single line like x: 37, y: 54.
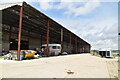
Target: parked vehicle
x: 105, y: 52
x: 54, y: 49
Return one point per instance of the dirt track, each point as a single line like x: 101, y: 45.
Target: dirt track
x: 112, y: 66
x: 69, y: 66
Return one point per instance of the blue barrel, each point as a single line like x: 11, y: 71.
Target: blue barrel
x: 21, y: 58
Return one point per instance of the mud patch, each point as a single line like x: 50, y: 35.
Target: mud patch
x: 70, y: 72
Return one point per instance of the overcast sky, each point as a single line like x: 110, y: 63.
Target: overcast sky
x: 93, y: 20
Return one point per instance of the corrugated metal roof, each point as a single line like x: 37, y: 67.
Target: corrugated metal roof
x: 34, y: 18
x: 7, y: 5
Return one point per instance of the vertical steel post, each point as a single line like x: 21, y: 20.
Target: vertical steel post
x: 19, y: 34
x: 47, y: 38
x: 76, y: 45
x: 61, y: 40
x: 70, y: 43
x: 10, y: 37
x: 61, y: 35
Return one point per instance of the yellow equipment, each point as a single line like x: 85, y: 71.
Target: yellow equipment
x: 29, y: 53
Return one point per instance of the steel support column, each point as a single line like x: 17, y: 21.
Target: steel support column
x: 47, y: 38
x: 61, y: 40
x: 76, y: 45
x: 70, y: 43
x: 19, y: 34
x: 10, y: 37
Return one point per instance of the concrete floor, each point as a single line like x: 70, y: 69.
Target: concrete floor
x: 68, y: 66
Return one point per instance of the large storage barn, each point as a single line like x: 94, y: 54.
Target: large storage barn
x: 25, y: 25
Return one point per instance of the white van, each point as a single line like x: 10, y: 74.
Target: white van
x: 54, y: 49
x: 105, y: 52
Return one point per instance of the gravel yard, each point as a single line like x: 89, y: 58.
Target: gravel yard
x: 68, y: 66
x: 112, y: 66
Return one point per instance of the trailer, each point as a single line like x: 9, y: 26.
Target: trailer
x: 105, y: 53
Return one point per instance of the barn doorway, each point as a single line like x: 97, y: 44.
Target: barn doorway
x: 14, y: 44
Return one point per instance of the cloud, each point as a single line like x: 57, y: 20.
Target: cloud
x: 103, y: 38
x: 45, y: 5
x: 71, y: 7
x: 83, y: 10
x: 100, y: 34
